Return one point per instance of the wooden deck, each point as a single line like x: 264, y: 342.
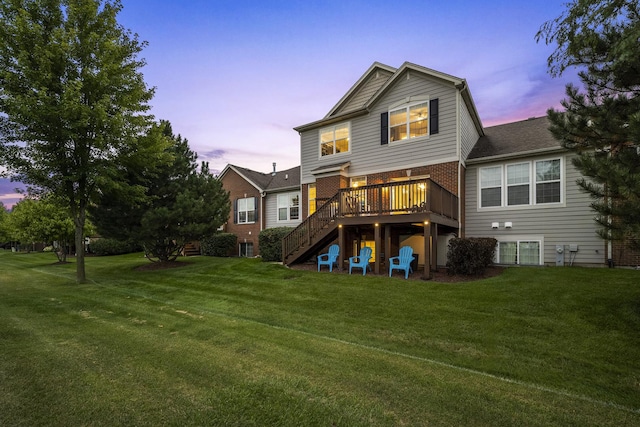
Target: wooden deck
x: 419, y: 202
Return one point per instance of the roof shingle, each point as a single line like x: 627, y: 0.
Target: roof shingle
x: 513, y: 138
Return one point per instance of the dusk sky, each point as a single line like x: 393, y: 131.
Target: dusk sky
x: 235, y: 77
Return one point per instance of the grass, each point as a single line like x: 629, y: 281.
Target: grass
x: 237, y: 342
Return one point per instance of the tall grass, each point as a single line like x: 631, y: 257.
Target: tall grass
x: 237, y: 342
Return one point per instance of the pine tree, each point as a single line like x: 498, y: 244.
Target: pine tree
x: 601, y: 124
x: 182, y: 203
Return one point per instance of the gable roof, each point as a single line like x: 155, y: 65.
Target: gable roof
x: 515, y: 139
x: 353, y: 104
x: 268, y: 182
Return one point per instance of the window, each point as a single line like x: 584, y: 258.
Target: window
x: 523, y: 252
x: 312, y: 199
x: 409, y: 122
x: 246, y: 210
x: 288, y: 206
x: 246, y: 249
x: 516, y: 185
x: 491, y: 186
x: 548, y: 181
x: 334, y: 140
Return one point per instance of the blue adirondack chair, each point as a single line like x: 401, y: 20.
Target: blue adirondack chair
x: 330, y: 258
x: 361, y: 261
x: 402, y: 261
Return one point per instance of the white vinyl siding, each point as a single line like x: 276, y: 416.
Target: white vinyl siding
x: 277, y: 205
x: 569, y: 222
x: 368, y: 156
x: 468, y: 132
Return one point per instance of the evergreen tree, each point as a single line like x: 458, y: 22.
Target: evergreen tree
x: 602, y: 123
x: 182, y: 203
x: 72, y: 101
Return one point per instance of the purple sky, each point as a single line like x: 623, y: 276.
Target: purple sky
x: 234, y: 77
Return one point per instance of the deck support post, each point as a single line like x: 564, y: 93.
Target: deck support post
x: 377, y: 242
x: 427, y: 250
x: 341, y: 244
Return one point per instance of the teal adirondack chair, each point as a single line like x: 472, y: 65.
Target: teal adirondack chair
x: 402, y: 261
x: 361, y: 261
x: 330, y: 258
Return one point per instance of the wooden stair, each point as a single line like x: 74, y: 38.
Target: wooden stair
x: 191, y: 249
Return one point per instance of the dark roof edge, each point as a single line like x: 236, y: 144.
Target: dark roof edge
x: 517, y: 155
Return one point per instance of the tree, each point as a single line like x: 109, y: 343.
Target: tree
x: 34, y: 221
x: 72, y: 101
x: 602, y: 124
x: 183, y: 203
x: 4, y: 218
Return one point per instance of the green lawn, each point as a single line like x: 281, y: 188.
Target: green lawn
x: 238, y: 342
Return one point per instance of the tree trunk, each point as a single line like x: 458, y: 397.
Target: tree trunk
x: 79, y: 220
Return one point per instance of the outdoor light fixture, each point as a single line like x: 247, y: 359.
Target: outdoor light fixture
x: 495, y: 224
x: 508, y: 224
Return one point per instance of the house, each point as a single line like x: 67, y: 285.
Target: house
x: 403, y: 159
x: 259, y: 201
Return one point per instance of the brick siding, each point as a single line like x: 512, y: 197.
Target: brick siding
x: 239, y: 188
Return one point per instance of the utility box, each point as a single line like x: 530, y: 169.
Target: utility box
x: 573, y: 248
x: 559, y: 255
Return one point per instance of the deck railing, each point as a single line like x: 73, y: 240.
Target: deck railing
x: 393, y: 198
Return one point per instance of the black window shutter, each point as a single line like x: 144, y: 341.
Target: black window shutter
x: 384, y: 128
x: 235, y: 211
x: 433, y: 113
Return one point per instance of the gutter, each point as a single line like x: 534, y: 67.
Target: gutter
x: 515, y: 155
x: 335, y: 119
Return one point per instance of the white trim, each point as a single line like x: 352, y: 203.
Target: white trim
x: 334, y: 155
x: 532, y: 184
x: 407, y: 104
x: 518, y: 239
x: 289, y: 205
x: 246, y: 210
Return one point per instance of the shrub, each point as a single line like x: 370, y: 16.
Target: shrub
x: 470, y: 256
x: 220, y: 244
x: 103, y: 246
x: 270, y: 241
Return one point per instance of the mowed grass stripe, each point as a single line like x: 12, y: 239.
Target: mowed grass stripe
x: 181, y: 355
x: 190, y: 310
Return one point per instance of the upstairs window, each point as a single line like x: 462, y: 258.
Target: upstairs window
x: 491, y: 186
x: 518, y: 184
x: 548, y: 181
x: 409, y: 122
x: 334, y: 140
x: 521, y: 184
x: 288, y: 207
x: 246, y: 210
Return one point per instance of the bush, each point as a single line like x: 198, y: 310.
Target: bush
x: 270, y: 241
x: 470, y: 256
x: 103, y: 246
x: 220, y: 244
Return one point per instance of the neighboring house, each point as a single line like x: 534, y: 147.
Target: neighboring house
x: 259, y: 201
x: 403, y: 159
